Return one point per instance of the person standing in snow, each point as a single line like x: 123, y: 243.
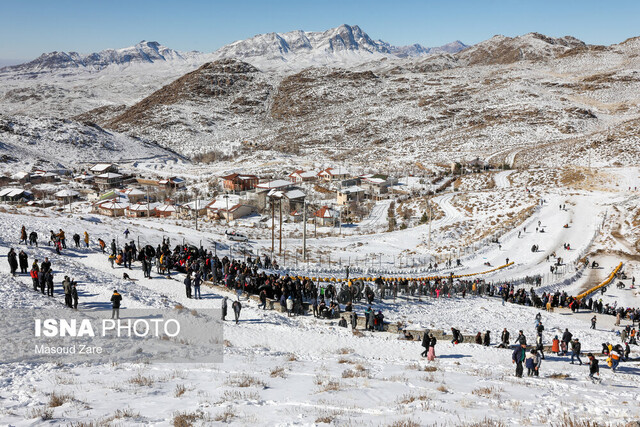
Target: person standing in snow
x: 86, y: 239
x: 187, y: 284
x: 354, y: 321
x: 518, y: 357
x: 126, y: 233
x: 114, y: 248
x: 74, y: 294
x: 504, y: 337
x: 487, y: 339
x: 425, y: 343
x: 197, y: 280
x: 116, y: 299
x: 593, y: 322
x: 49, y: 279
x: 289, y: 305
x: 539, y: 347
x: 13, y: 261
x: 566, y: 339
x: 575, y: 350
x: 594, y: 369
x: 236, y: 310
x: 33, y: 239
x: 23, y: 235
x: 431, y: 354
x: 224, y: 308
x: 66, y: 286
x: 35, y: 270
x: 76, y: 240
x: 24, y: 262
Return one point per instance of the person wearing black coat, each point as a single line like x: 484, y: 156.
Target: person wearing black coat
x: 49, y: 278
x: 521, y: 339
x: 187, y: 285
x: 116, y: 299
x: 518, y: 356
x: 504, y: 337
x: 24, y: 262
x: 425, y: 343
x: 487, y: 339
x: 74, y: 294
x: 236, y: 306
x: 13, y: 261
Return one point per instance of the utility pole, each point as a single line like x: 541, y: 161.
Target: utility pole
x: 226, y: 196
x: 280, y: 238
x: 273, y: 227
x: 429, y: 210
x: 196, y: 210
x: 304, y: 230
x: 148, y: 202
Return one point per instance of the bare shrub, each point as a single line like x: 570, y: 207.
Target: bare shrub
x: 291, y: 357
x: 405, y: 423
x: 278, y: 372
x: 188, y: 419
x: 345, y: 350
x: 244, y: 380
x: 327, y: 384
x: 225, y: 417
x: 558, y: 376
x: 571, y: 421
x: 180, y: 390
x: 59, y: 399
x: 410, y: 398
x: 443, y: 388
x: 343, y: 360
x: 227, y: 343
x: 43, y: 413
x: 141, y: 380
x: 487, y: 392
x: 430, y: 368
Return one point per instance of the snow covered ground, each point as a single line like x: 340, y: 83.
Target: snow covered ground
x: 300, y: 370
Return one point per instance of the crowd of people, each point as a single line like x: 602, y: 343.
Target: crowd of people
x: 253, y: 276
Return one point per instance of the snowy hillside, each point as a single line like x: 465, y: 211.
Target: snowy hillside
x: 68, y: 62
x: 27, y: 142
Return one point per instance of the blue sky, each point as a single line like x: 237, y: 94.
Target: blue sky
x: 29, y: 28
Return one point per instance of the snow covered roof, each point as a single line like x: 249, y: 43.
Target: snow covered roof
x: 377, y: 181
x: 294, y: 194
x: 101, y: 167
x: 221, y: 202
x: 113, y: 205
x: 67, y: 193
x: 202, y: 204
x: 20, y: 175
x: 278, y: 183
x: 110, y: 175
x: 303, y: 174
x: 13, y: 192
x: 165, y: 208
x: 352, y: 189
x: 132, y: 192
x: 141, y: 207
x: 339, y: 171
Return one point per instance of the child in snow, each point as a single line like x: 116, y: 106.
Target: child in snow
x: 594, y: 369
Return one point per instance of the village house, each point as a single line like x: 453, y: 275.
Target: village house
x: 165, y: 210
x: 350, y: 195
x: 326, y: 216
x: 303, y: 176
x: 377, y: 186
x: 66, y: 195
x: 100, y: 168
x: 173, y: 183
x: 140, y: 210
x: 84, y: 178
x: 43, y: 177
x: 21, y: 177
x: 189, y: 210
x: 111, y: 208
x: 236, y: 182
x: 133, y: 195
x: 263, y: 189
x: 15, y: 195
x: 333, y: 174
x: 108, y: 180
x: 293, y: 200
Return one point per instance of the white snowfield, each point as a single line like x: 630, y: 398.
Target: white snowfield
x: 281, y: 370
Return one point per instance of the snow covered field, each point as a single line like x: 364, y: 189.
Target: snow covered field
x: 281, y: 370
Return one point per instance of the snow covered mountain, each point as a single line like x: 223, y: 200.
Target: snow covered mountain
x: 416, y: 50
x: 141, y: 53
x: 338, y: 44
